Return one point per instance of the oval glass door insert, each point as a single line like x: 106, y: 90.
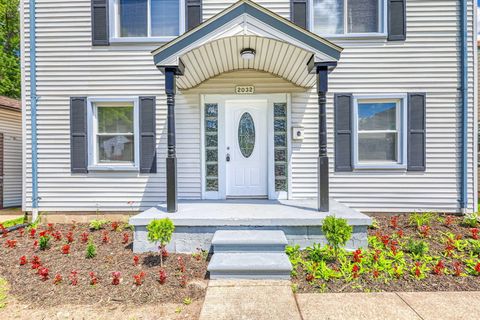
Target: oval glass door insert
x: 246, y: 134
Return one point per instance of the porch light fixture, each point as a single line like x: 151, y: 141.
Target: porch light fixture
x: 247, y: 54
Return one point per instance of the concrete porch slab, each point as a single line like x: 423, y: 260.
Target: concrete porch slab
x: 197, y: 221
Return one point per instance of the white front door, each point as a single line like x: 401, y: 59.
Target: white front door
x: 246, y: 148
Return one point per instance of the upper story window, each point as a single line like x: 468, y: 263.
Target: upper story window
x: 147, y: 19
x: 347, y: 17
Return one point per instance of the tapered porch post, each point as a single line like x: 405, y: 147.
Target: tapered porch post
x: 170, y: 73
x: 322, y: 172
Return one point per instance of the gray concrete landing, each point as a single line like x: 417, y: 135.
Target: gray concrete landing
x: 197, y: 221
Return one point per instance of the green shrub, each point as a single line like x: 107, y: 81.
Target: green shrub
x: 418, y: 248
x: 470, y: 220
x: 337, y: 231
x: 421, y: 219
x: 13, y: 222
x: 44, y: 242
x: 318, y: 253
x: 91, y: 250
x: 98, y: 224
x: 161, y: 231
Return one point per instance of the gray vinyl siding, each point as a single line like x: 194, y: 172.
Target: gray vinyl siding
x: 426, y: 62
x: 11, y: 128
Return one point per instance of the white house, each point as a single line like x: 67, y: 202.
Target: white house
x: 137, y: 101
x: 10, y: 153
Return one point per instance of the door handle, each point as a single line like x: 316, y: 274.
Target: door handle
x: 228, y: 157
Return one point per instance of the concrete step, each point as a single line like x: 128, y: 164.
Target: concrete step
x: 249, y: 241
x: 250, y: 265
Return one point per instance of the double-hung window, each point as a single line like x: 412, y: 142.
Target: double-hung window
x: 379, y: 131
x: 348, y: 17
x: 135, y: 20
x: 113, y: 134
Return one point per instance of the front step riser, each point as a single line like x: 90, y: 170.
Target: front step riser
x: 248, y: 248
x: 249, y: 276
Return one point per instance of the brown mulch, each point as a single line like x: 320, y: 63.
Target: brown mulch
x: 366, y: 283
x: 27, y: 286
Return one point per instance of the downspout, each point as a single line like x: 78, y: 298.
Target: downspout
x: 464, y: 99
x: 33, y: 108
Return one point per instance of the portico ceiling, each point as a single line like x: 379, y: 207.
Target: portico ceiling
x: 281, y: 48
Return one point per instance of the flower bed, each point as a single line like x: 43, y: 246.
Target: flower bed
x: 418, y: 252
x: 62, y: 273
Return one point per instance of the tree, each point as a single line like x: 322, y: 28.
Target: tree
x: 10, y: 49
x: 160, y: 231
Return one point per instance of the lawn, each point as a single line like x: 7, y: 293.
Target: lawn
x: 417, y: 252
x: 58, y: 264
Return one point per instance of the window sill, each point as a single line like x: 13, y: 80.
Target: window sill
x: 140, y: 40
x: 115, y: 168
x: 396, y: 167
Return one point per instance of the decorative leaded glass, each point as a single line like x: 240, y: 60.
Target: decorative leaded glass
x: 211, y: 147
x: 246, y: 134
x: 280, y: 145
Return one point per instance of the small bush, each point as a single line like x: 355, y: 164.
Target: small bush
x: 44, y: 242
x: 160, y: 231
x: 421, y: 219
x: 470, y: 220
x: 337, y: 231
x: 318, y: 253
x: 98, y: 224
x: 419, y: 248
x: 91, y: 250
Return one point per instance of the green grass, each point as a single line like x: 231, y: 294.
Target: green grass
x: 13, y: 222
x: 3, y: 293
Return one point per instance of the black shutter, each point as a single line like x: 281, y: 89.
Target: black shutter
x: 299, y: 13
x: 397, y: 22
x: 100, y: 23
x: 148, y: 147
x: 343, y: 131
x: 416, y: 141
x: 78, y: 135
x: 194, y: 13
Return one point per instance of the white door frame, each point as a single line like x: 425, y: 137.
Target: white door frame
x: 220, y: 99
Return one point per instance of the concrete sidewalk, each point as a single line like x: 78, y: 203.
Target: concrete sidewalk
x: 258, y: 300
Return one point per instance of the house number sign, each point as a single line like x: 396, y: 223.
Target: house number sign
x: 244, y: 89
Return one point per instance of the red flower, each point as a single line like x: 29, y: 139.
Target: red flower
x: 66, y: 249
x: 84, y: 237
x: 57, y: 235
x: 394, y: 222
x: 439, y: 268
x: 400, y: 233
x: 36, y: 262
x: 385, y: 239
x: 43, y: 272
x: 73, y: 278
x: 43, y: 233
x: 474, y: 232
x: 457, y: 268
x: 93, y: 279
x: 58, y: 279
x: 116, y: 278
x: 21, y: 232
x: 125, y: 238
x: 376, y: 255
x: 11, y: 243
x: 135, y: 260
x: 138, y: 278
x: 181, y: 264
x: 23, y: 260
x: 449, y: 221
x: 425, y: 231
x: 32, y: 233
x: 376, y: 273
x: 50, y: 226
x: 357, y: 256
x: 183, y: 280
x: 162, y: 276
x: 355, y: 270
x: 35, y: 244
x: 115, y: 225
x: 69, y: 237
x: 477, y: 268
x: 309, y: 277
x: 105, y: 237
